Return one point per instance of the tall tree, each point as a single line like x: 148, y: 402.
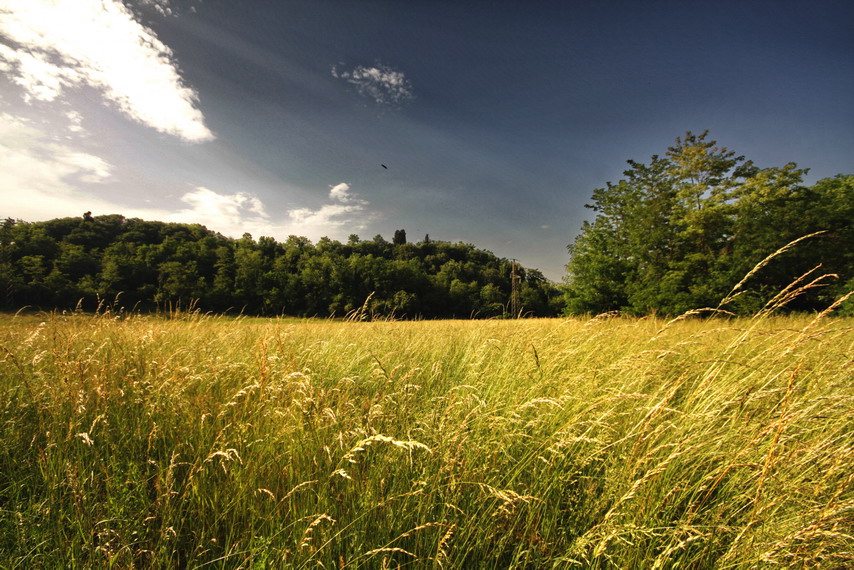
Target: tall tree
x: 399, y: 237
x: 679, y: 232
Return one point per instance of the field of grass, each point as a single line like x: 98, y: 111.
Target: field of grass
x: 612, y: 443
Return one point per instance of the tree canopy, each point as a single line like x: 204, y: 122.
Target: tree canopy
x: 146, y: 264
x: 680, y: 231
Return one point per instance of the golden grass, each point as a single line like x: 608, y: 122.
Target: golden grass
x: 216, y: 442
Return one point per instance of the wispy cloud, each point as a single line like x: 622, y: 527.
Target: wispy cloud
x: 46, y: 172
x: 208, y: 202
x: 230, y: 214
x: 340, y: 193
x: 167, y: 8
x: 75, y: 122
x: 38, y: 176
x: 344, y: 210
x: 386, y: 86
x: 163, y: 7
x: 50, y: 46
x: 235, y: 214
x: 42, y: 178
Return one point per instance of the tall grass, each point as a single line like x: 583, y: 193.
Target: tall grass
x: 206, y: 442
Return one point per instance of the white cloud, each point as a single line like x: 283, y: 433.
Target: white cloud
x: 42, y: 177
x: 340, y: 192
x: 230, y: 214
x: 167, y: 8
x: 34, y: 168
x: 235, y: 214
x: 40, y: 79
x: 53, y: 45
x: 163, y: 7
x: 381, y: 83
x: 208, y: 203
x: 239, y: 213
x: 345, y: 210
x: 75, y: 123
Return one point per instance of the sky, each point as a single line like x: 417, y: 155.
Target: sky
x: 494, y: 120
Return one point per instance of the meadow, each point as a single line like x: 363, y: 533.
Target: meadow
x: 212, y: 442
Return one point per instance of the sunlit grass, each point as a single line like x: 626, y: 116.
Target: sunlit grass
x: 214, y: 442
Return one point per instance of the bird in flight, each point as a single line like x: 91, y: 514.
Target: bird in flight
x: 384, y: 166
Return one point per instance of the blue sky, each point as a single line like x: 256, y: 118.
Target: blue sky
x: 496, y: 120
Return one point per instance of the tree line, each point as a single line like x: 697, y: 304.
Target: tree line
x: 681, y: 231
x: 675, y: 234
x: 148, y: 265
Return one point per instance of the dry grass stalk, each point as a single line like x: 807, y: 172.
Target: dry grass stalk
x: 729, y: 297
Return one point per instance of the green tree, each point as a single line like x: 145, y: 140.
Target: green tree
x: 399, y: 237
x: 58, y: 262
x: 249, y: 273
x: 492, y: 300
x: 679, y: 232
x: 10, y: 281
x: 178, y: 283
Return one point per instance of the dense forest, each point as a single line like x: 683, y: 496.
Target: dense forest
x: 146, y: 265
x: 681, y: 231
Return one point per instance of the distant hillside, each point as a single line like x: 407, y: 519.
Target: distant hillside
x: 58, y: 263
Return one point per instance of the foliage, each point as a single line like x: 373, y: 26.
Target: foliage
x: 195, y: 441
x: 142, y: 265
x: 679, y: 232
